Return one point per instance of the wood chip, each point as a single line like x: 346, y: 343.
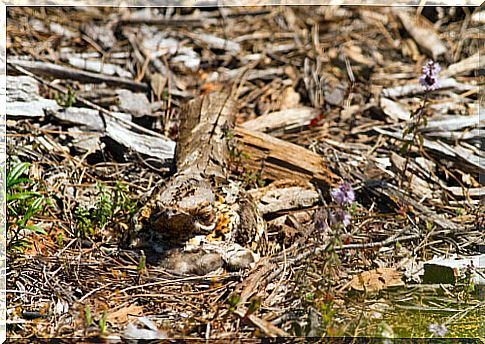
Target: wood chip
x: 396, y: 111
x: 122, y: 315
x: 215, y: 42
x: 54, y: 70
x: 376, y: 280
x: 465, y: 66
x: 285, y: 196
x: 23, y: 98
x: 136, y: 104
x: 156, y: 147
x: 416, y: 88
x: 287, y: 120
x: 422, y: 33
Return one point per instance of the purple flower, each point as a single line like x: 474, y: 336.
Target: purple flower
x: 429, y: 78
x: 339, y: 217
x: 344, y: 194
x: 438, y: 329
x: 346, y: 218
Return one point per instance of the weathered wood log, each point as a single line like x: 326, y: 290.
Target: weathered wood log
x: 276, y: 159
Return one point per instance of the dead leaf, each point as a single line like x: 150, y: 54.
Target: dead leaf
x: 121, y: 315
x: 290, y: 98
x: 158, y: 82
x: 356, y: 55
x: 423, y: 33
x: 376, y: 280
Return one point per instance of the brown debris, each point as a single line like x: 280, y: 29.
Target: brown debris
x: 376, y: 280
x: 268, y: 108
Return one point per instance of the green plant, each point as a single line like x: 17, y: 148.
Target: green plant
x: 104, y: 210
x: 252, y: 179
x: 67, y: 100
x: 112, y: 206
x: 89, y: 319
x: 466, y: 287
x: 384, y: 331
x: 87, y: 316
x: 238, y: 162
x: 141, y: 264
x: 315, y: 297
x: 233, y: 301
x: 22, y: 205
x: 238, y: 166
x: 83, y: 221
x: 102, y: 322
x: 60, y: 240
x: 326, y: 308
x: 123, y: 204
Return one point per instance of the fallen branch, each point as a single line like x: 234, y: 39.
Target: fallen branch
x: 53, y: 70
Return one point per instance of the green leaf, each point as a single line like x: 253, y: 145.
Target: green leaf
x: 404, y: 147
x: 87, y: 313
x: 102, y: 322
x: 14, y: 174
x: 141, y: 263
x: 19, y: 245
x: 36, y: 229
x: 33, y: 208
x: 22, y: 196
x: 233, y: 299
x: 21, y: 180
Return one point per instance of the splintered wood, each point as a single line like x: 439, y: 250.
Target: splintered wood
x: 276, y: 159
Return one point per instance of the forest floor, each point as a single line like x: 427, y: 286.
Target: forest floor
x: 95, y: 97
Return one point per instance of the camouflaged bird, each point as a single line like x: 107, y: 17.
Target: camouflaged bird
x: 199, y: 209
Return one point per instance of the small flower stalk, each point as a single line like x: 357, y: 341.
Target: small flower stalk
x: 429, y: 79
x: 343, y: 196
x: 340, y: 217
